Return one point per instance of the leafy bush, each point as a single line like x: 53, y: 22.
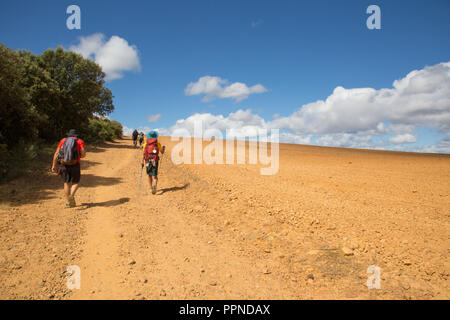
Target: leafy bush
x: 43, y: 96
x: 117, y: 129
x: 15, y: 161
x: 100, y: 129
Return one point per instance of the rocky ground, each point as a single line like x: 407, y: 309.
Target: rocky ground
x: 227, y: 232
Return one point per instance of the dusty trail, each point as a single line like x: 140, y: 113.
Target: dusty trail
x: 145, y: 246
x: 100, y: 254
x: 225, y: 232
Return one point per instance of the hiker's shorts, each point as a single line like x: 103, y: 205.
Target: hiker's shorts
x: 71, y: 174
x: 152, y: 170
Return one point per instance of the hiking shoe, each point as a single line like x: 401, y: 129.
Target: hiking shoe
x: 72, y: 202
x: 154, y: 190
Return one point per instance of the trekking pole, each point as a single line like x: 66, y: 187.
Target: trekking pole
x: 160, y: 162
x: 140, y: 180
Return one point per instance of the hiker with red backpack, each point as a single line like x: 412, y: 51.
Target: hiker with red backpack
x: 68, y: 154
x: 150, y: 158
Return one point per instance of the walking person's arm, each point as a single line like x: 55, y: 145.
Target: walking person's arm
x: 81, y: 148
x: 55, y: 157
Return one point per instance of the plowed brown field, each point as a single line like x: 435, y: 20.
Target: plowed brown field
x: 226, y: 232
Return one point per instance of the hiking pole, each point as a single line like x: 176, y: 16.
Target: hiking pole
x: 140, y: 180
x: 160, y: 162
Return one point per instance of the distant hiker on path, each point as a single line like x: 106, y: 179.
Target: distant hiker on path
x: 135, y: 137
x: 141, y: 139
x: 150, y: 158
x: 68, y: 154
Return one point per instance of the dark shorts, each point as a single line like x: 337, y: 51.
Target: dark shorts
x: 71, y: 174
x: 152, y: 170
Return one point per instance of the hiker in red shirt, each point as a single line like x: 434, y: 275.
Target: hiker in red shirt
x: 150, y: 158
x: 68, y: 154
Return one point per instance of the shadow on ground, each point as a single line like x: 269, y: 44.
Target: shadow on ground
x: 100, y: 147
x: 38, y: 184
x: 86, y: 164
x: 173, y: 189
x: 110, y: 203
x: 42, y: 185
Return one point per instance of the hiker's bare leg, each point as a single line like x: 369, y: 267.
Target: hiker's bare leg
x: 156, y: 181
x: 73, y: 189
x: 67, y: 187
x: 150, y: 181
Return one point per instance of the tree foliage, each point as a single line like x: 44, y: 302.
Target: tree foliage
x: 17, y: 113
x: 44, y: 96
x: 102, y: 130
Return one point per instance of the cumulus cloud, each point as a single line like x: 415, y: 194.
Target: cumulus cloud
x: 387, y: 118
x: 153, y: 117
x: 403, y: 138
x: 443, y: 146
x: 422, y: 98
x: 216, y: 87
x: 242, y: 123
x: 129, y: 131
x: 115, y: 55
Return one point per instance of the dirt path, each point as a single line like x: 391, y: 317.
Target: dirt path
x: 145, y: 246
x: 226, y: 232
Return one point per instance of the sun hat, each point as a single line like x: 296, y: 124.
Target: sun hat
x: 152, y: 134
x: 72, y: 133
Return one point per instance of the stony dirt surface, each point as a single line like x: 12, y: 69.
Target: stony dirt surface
x: 226, y: 232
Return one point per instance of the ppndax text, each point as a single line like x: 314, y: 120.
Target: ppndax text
x: 228, y: 309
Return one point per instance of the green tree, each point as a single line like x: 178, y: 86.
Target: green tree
x: 43, y: 93
x: 117, y: 129
x: 101, y: 129
x: 43, y: 96
x: 18, y: 124
x: 80, y: 91
x: 17, y: 115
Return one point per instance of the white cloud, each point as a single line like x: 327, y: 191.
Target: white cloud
x: 443, y: 146
x: 355, y: 118
x: 287, y: 137
x: 129, y: 131
x: 153, y: 117
x: 216, y: 87
x: 403, y: 138
x: 115, y: 56
x: 242, y: 123
x: 422, y: 98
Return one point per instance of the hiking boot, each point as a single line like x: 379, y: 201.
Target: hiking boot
x: 67, y: 202
x: 153, y: 189
x: 72, y: 202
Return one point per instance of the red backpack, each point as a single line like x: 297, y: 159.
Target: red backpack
x: 151, y: 150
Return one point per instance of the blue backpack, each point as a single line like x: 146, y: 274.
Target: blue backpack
x: 69, y: 152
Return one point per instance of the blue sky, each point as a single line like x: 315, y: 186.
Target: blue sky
x: 298, y: 51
